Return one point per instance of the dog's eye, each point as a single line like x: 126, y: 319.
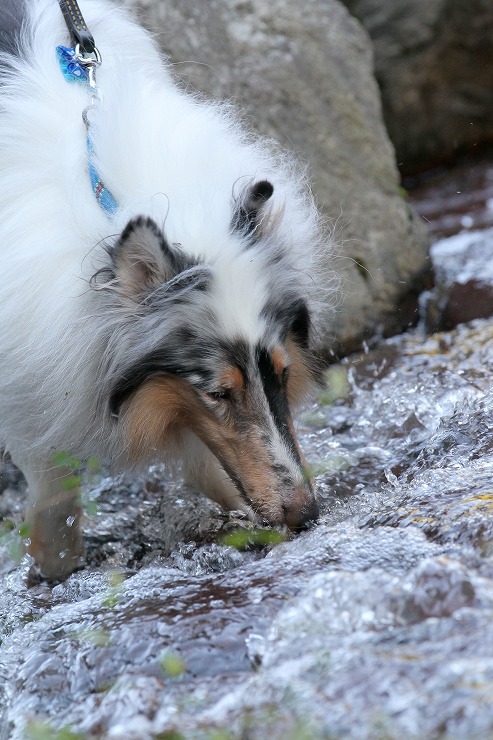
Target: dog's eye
x: 222, y: 395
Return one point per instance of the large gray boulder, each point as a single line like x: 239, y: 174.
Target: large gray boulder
x: 434, y: 64
x: 303, y: 74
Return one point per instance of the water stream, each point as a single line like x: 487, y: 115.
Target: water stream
x: 374, y: 624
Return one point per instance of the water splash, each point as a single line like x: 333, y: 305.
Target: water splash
x: 376, y: 623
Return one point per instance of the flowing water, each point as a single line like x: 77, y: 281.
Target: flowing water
x: 377, y: 623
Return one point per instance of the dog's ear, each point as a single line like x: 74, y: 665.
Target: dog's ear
x: 143, y: 259
x: 250, y: 207
x: 300, y: 326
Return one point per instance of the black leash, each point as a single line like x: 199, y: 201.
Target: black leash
x: 79, y: 33
x: 85, y: 50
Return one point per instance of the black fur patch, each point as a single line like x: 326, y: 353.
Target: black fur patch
x: 291, y: 316
x: 277, y: 400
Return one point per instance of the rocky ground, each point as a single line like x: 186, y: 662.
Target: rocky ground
x: 376, y: 623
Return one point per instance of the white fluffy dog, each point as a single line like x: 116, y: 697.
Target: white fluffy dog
x: 163, y: 307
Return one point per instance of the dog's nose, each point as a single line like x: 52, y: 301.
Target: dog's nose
x: 301, y: 511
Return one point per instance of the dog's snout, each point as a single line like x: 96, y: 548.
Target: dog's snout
x: 301, y: 511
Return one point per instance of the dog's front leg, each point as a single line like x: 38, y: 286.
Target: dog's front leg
x: 53, y: 519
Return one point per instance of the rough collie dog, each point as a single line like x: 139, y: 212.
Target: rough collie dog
x: 176, y: 322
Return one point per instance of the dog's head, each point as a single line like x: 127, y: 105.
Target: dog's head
x: 221, y: 349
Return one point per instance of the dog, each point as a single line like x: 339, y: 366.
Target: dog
x: 180, y: 321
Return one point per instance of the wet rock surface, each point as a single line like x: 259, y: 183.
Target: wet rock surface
x: 457, y: 205
x: 375, y: 623
x: 463, y: 279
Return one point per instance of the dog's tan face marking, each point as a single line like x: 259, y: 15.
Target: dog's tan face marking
x: 232, y: 379
x: 154, y: 412
x: 280, y: 360
x: 291, y: 358
x: 300, y: 381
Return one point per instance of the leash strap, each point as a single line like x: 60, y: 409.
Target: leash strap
x: 79, y: 65
x: 79, y: 33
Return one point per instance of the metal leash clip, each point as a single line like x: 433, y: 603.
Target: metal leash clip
x: 90, y: 61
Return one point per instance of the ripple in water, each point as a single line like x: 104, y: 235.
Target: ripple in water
x: 376, y: 623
